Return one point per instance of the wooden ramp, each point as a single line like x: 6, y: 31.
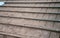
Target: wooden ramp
x: 30, y: 19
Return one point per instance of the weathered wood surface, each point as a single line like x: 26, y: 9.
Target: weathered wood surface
x: 30, y: 19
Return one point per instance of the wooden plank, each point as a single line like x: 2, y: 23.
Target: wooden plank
x: 57, y: 13
x: 34, y: 5
x: 32, y: 19
x: 21, y: 22
x: 28, y: 15
x: 28, y: 28
x: 27, y: 23
x: 30, y: 9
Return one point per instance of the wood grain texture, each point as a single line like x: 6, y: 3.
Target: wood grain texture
x: 30, y: 19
